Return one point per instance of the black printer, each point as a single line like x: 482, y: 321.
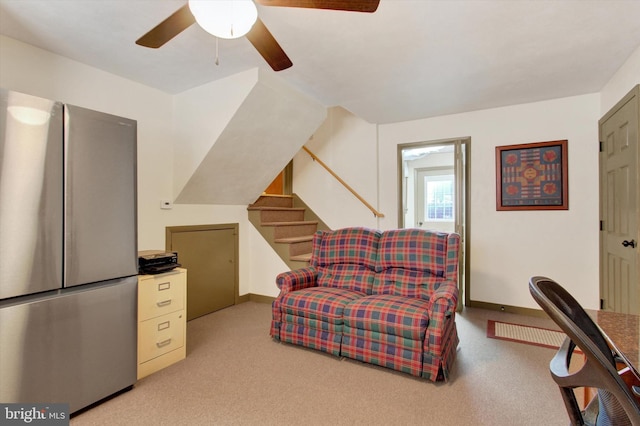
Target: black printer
x: 157, y: 261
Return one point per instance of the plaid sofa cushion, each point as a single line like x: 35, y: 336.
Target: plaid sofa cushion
x: 313, y: 317
x: 315, y: 244
x: 349, y: 276
x: 356, y: 245
x: 313, y: 323
x: 406, y: 283
x: 414, y: 249
x: 358, y: 334
x: 318, y: 303
x: 389, y: 314
x: 398, y: 358
x: 311, y: 338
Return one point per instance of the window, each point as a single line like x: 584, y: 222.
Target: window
x: 439, y: 198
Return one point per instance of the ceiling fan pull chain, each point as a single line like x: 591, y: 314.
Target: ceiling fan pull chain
x: 217, y: 61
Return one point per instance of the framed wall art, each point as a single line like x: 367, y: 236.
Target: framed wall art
x: 532, y: 176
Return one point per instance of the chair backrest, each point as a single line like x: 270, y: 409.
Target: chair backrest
x: 599, y: 370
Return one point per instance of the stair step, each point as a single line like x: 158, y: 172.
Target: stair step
x: 291, y: 240
x: 273, y: 201
x: 275, y: 208
x: 292, y: 229
x: 285, y: 227
x: 291, y: 223
x: 280, y: 214
x: 298, y: 245
x: 301, y: 257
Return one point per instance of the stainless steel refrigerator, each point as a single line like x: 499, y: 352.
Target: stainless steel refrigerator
x: 68, y: 252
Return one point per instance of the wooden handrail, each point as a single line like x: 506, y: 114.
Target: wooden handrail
x: 369, y: 206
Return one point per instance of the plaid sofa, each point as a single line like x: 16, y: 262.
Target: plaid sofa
x: 385, y: 298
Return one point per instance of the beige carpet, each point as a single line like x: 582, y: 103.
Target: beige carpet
x: 235, y: 374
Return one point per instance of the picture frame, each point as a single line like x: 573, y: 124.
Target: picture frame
x: 532, y: 176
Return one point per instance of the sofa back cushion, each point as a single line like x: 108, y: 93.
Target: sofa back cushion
x: 358, y: 246
x: 347, y: 276
x: 414, y: 249
x: 346, y: 258
x: 411, y: 262
x: 405, y: 283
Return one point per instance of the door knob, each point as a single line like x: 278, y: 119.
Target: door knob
x: 628, y: 243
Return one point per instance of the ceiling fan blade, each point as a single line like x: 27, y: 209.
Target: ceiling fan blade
x: 179, y: 21
x: 368, y: 6
x: 268, y: 47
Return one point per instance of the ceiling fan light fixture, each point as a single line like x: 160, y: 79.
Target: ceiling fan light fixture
x: 224, y: 18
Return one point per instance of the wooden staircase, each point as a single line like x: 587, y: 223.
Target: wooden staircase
x: 288, y: 225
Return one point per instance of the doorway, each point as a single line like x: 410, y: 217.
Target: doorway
x: 620, y: 206
x: 210, y: 255
x: 434, y: 191
x: 283, y: 183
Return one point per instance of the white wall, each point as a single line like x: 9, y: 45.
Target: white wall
x: 343, y: 141
x: 621, y: 83
x: 238, y: 134
x: 35, y: 71
x: 507, y: 247
x: 265, y: 264
x: 31, y: 70
x: 199, y: 118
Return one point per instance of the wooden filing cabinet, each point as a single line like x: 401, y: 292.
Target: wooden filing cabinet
x: 162, y: 320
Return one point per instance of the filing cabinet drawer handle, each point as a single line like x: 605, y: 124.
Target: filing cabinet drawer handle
x: 164, y: 325
x: 163, y: 303
x: 164, y: 343
x: 164, y: 286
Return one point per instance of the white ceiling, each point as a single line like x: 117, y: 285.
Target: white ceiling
x: 410, y: 59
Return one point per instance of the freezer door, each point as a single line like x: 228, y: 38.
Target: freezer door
x: 30, y: 194
x: 100, y: 196
x: 74, y: 346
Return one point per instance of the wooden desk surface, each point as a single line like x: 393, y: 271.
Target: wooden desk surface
x: 624, y: 331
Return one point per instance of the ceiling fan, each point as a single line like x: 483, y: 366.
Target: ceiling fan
x: 258, y: 34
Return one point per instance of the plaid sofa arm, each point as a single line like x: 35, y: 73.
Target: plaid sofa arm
x: 442, y: 306
x: 297, y: 279
x: 444, y: 297
x: 287, y: 282
x: 453, y: 254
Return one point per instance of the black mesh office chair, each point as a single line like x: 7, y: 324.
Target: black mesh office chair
x: 615, y: 404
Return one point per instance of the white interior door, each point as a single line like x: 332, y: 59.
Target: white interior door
x: 619, y: 209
